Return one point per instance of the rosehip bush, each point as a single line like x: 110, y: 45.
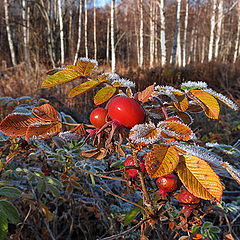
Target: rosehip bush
x: 140, y: 124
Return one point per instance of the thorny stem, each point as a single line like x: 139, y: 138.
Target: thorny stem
x: 142, y: 180
x: 162, y: 106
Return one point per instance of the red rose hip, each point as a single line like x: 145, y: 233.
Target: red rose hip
x: 126, y: 111
x: 98, y: 117
x: 167, y: 183
x: 132, y: 173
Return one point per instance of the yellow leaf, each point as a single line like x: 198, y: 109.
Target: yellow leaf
x: 83, y: 88
x: 208, y: 103
x: 104, y: 94
x: 86, y: 66
x: 199, y: 178
x: 60, y: 77
x: 48, y: 214
x: 161, y: 161
x: 43, y: 130
x: 182, y: 101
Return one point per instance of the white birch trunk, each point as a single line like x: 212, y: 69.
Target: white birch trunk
x: 155, y: 35
x: 213, y: 20
x: 94, y: 29
x: 107, y: 50
x: 61, y: 30
x: 25, y: 35
x: 236, y: 51
x: 185, y: 46
x: 203, y: 49
x: 10, y: 42
x: 151, y: 42
x: 162, y: 33
x: 176, y: 54
x: 219, y: 26
x: 112, y: 36
x: 85, y: 29
x: 141, y: 35
x: 79, y: 31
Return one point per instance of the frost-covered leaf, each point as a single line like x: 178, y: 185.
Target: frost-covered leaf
x: 104, y: 94
x: 60, y: 77
x: 74, y: 134
x: 199, y: 178
x: 145, y: 94
x: 208, y: 103
x: 86, y: 66
x: 46, y: 112
x: 104, y: 77
x: 43, y: 130
x: 161, y: 160
x: 122, y: 82
x: 15, y: 125
x: 193, y: 85
x: 95, y: 153
x: 182, y: 102
x: 82, y: 88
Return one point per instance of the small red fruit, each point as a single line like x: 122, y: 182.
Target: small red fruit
x: 98, y: 117
x: 174, y: 118
x: 167, y: 183
x: 132, y: 173
x: 186, y: 197
x: 126, y: 111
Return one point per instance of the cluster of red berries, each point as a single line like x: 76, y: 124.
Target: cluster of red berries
x: 124, y: 110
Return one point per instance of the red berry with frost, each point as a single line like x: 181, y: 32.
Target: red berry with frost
x: 167, y: 183
x: 185, y: 197
x: 98, y: 117
x: 132, y: 173
x: 126, y: 111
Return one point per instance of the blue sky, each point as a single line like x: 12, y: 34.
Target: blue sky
x: 101, y: 3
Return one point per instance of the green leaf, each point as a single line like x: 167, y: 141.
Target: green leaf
x: 195, y: 229
x: 40, y: 174
x: 131, y: 215
x: 83, y: 88
x: 207, y: 225
x: 3, y: 226
x: 60, y: 77
x: 55, y: 182
x: 104, y: 94
x: 10, y: 192
x: 214, y: 230
x: 93, y: 180
x: 55, y: 192
x: 10, y: 211
x: 5, y: 183
x: 41, y: 186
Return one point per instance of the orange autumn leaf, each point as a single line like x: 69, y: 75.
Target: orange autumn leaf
x: 208, y: 103
x: 43, y: 130
x: 182, y: 101
x: 175, y: 130
x: 86, y: 66
x: 161, y: 161
x: 46, y: 112
x: 199, y: 178
x: 145, y: 94
x: 16, y: 125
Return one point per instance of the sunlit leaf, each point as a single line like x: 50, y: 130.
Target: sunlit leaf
x: 60, y: 77
x: 42, y: 130
x: 131, y: 215
x: 3, y: 226
x: 86, y: 66
x: 145, y: 94
x: 95, y: 153
x: 182, y: 101
x: 176, y: 130
x: 104, y: 94
x: 16, y: 125
x: 83, y: 88
x: 48, y: 214
x: 161, y: 161
x: 46, y: 112
x: 206, y: 101
x: 199, y: 178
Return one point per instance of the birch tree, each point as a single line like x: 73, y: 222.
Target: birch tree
x: 25, y: 35
x: 107, y: 49
x: 10, y: 41
x: 61, y: 30
x: 162, y: 32
x: 94, y: 29
x: 236, y: 48
x: 141, y: 34
x: 79, y: 31
x: 219, y: 27
x: 185, y: 47
x: 112, y: 36
x: 176, y: 54
x: 151, y: 42
x: 213, y: 20
x: 85, y: 29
